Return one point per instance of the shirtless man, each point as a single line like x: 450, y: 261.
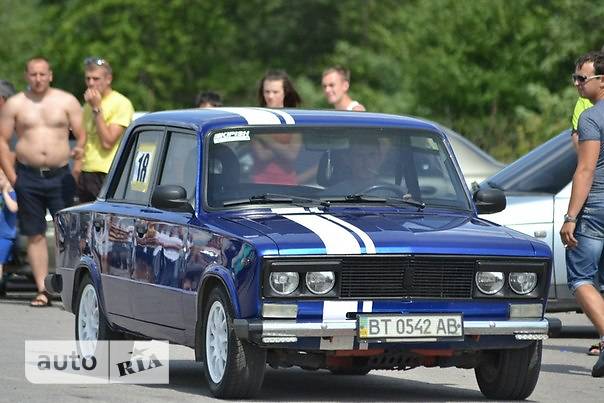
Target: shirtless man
x: 336, y: 82
x: 41, y: 117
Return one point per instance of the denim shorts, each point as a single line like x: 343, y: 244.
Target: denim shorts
x: 585, y: 262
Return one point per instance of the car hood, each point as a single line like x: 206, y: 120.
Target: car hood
x: 355, y: 231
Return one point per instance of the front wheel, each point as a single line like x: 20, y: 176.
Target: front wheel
x: 234, y: 368
x: 510, y: 374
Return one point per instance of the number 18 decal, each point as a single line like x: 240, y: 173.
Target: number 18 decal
x: 143, y: 163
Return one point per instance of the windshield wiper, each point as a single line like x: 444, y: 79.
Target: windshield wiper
x: 363, y: 198
x: 268, y: 198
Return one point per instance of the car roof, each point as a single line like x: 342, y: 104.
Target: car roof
x: 548, y: 168
x: 221, y: 117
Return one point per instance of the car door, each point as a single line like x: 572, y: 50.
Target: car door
x: 115, y: 226
x: 160, y: 242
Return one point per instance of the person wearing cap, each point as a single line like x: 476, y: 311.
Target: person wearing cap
x: 107, y: 114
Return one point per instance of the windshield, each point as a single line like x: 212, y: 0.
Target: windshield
x: 546, y: 169
x: 335, y: 165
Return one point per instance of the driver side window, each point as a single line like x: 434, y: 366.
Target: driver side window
x: 180, y: 166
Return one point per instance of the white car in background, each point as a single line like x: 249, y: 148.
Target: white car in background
x: 476, y: 165
x: 537, y: 188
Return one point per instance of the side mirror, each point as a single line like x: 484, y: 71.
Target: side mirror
x: 171, y: 198
x: 489, y: 201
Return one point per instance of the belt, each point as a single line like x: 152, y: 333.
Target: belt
x: 43, y: 172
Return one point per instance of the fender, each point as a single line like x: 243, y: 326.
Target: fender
x: 225, y: 277
x: 87, y: 265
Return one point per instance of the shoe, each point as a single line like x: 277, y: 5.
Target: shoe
x: 595, y: 349
x: 598, y: 370
x: 42, y: 300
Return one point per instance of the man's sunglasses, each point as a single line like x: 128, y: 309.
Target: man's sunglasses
x: 583, y: 79
x: 98, y: 61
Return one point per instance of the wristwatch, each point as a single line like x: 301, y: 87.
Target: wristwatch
x: 96, y: 110
x: 569, y: 218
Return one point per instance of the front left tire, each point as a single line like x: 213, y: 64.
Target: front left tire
x: 234, y: 368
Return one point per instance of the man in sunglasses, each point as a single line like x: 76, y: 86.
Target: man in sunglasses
x: 107, y: 113
x: 580, y: 106
x: 42, y: 117
x: 583, y: 230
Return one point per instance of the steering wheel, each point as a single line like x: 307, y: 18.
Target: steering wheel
x: 397, y: 191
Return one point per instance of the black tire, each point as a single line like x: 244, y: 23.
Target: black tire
x: 2, y: 285
x: 510, y: 374
x: 244, y: 366
x: 350, y: 371
x: 104, y: 331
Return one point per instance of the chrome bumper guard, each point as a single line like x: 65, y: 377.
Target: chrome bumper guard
x: 289, y: 331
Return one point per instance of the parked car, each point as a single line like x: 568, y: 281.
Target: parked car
x: 537, y: 188
x: 476, y: 165
x: 379, y: 261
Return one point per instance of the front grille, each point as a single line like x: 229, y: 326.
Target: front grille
x: 407, y: 277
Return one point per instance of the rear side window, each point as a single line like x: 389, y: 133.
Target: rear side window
x: 136, y: 178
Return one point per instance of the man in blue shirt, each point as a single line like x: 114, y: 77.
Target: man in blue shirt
x: 583, y: 230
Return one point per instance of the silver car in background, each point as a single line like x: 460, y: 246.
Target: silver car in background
x: 537, y: 188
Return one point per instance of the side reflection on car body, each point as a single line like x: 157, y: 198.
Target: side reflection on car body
x: 354, y: 246
x: 537, y: 188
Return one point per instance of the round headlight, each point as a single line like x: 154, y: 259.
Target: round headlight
x: 320, y: 282
x: 489, y: 282
x: 523, y: 282
x: 284, y: 282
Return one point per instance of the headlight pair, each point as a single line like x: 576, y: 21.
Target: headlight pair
x: 317, y: 282
x: 491, y: 282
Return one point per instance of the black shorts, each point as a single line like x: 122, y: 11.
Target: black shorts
x: 38, y: 190
x: 89, y: 185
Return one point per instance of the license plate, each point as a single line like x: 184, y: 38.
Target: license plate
x: 410, y: 326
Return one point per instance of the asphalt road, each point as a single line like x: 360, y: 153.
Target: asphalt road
x: 565, y: 374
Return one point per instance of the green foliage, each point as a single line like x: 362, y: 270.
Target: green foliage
x: 495, y: 70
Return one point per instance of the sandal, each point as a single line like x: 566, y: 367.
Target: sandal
x: 595, y: 349
x: 42, y: 300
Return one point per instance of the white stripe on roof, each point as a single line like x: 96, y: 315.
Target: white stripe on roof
x: 255, y: 116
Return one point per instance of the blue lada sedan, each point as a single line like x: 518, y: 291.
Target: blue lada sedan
x: 322, y: 239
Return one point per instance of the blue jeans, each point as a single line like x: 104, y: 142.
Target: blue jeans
x: 585, y: 262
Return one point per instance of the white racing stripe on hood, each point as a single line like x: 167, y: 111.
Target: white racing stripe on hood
x: 369, y: 245
x: 337, y: 240
x: 255, y: 116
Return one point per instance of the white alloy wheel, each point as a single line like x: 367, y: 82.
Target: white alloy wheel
x: 217, y: 334
x: 88, y: 321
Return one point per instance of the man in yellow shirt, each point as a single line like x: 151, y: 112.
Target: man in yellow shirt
x: 107, y: 114
x: 580, y: 106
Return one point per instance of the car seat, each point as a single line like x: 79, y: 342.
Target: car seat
x: 223, y: 174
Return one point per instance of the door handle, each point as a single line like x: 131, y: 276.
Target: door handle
x: 141, y: 228
x: 98, y: 224
x: 540, y: 234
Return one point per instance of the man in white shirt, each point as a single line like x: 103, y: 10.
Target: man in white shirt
x: 336, y: 83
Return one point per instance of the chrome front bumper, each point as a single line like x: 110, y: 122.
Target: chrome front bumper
x: 287, y: 330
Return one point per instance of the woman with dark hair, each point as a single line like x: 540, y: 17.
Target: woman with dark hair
x: 277, y: 91
x: 275, y: 154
